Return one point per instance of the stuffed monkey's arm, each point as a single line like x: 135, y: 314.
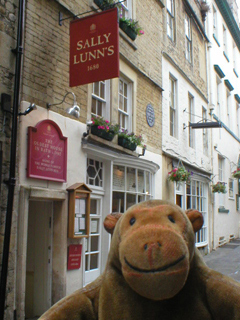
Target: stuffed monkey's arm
x: 223, y: 295
x: 82, y: 304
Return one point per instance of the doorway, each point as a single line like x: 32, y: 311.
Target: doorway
x: 39, y: 259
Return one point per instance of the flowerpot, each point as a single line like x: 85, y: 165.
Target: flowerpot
x: 128, y: 30
x: 125, y: 143
x: 99, y: 3
x: 104, y: 5
x: 107, y: 135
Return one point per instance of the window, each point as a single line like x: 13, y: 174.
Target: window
x: 125, y: 9
x: 188, y: 38
x: 215, y: 22
x: 101, y: 99
x: 94, y: 173
x: 225, y: 51
x: 238, y: 119
x: 220, y: 169
x: 125, y: 104
x: 172, y: 107
x: 170, y: 19
x: 196, y: 198
x: 205, y: 132
x: 130, y: 186
x: 191, y: 119
x: 218, y: 97
x: 228, y: 98
x: 230, y: 187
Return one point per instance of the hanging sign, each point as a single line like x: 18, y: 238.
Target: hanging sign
x: 74, y: 256
x: 94, y: 48
x: 47, y: 152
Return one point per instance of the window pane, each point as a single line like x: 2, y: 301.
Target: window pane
x: 118, y: 202
x: 148, y: 191
x: 94, y: 106
x: 131, y: 200
x: 118, y: 177
x: 102, y: 94
x: 131, y: 179
x: 96, y: 88
x: 141, y: 187
x: 94, y: 261
x: 94, y: 243
x: 93, y: 206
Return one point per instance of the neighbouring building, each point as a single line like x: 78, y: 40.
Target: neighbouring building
x: 114, y: 176
x: 184, y: 103
x: 224, y: 101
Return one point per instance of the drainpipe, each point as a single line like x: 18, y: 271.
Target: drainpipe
x: 11, y: 182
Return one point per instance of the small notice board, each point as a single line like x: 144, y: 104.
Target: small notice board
x: 79, y: 210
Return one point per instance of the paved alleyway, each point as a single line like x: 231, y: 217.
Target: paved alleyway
x: 226, y: 259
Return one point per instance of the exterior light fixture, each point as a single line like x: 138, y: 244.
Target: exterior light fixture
x: 74, y: 110
x: 28, y: 110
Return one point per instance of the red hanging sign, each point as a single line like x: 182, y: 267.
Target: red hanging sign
x: 74, y: 256
x: 47, y: 152
x: 94, y: 48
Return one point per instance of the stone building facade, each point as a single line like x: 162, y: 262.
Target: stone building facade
x: 166, y: 70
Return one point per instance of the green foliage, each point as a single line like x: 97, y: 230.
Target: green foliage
x: 133, y: 24
x: 179, y: 174
x: 131, y: 137
x: 219, y: 187
x: 105, y: 125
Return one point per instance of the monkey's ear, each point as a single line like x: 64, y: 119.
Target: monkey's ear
x: 110, y: 221
x: 196, y: 219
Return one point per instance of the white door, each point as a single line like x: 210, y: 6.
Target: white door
x: 39, y: 259
x: 93, y: 242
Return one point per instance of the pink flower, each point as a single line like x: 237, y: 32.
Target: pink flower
x: 174, y: 175
x: 141, y: 32
x: 106, y: 121
x: 176, y: 169
x: 107, y: 127
x: 93, y: 122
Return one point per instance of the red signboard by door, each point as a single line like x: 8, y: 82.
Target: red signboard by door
x: 94, y: 48
x: 47, y: 152
x: 74, y: 256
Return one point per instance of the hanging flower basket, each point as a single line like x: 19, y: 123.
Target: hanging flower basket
x: 236, y: 174
x: 179, y: 173
x: 219, y: 187
x: 103, y: 128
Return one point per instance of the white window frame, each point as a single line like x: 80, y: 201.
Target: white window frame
x: 231, y: 188
x: 132, y: 190
x: 172, y: 106
x: 215, y: 28
x: 122, y: 113
x: 200, y: 203
x: 125, y: 9
x: 170, y: 19
x: 228, y: 98
x: 103, y: 100
x: 188, y: 38
x: 225, y: 47
x: 238, y: 118
x: 218, y: 96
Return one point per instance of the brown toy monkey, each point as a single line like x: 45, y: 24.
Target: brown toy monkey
x: 154, y: 272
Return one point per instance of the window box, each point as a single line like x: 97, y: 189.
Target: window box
x: 128, y: 30
x: 125, y: 143
x: 107, y: 135
x: 105, y: 4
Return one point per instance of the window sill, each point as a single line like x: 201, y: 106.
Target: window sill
x: 161, y: 3
x: 223, y: 210
x: 236, y: 74
x: 127, y: 39
x: 225, y: 55
x: 214, y: 37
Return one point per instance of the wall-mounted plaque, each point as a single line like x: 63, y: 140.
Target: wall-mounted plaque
x: 47, y: 152
x: 150, y: 115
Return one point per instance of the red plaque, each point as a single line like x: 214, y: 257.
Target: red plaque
x: 74, y: 256
x: 94, y: 48
x: 47, y: 152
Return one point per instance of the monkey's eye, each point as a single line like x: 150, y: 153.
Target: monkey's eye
x: 170, y: 218
x: 132, y: 221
